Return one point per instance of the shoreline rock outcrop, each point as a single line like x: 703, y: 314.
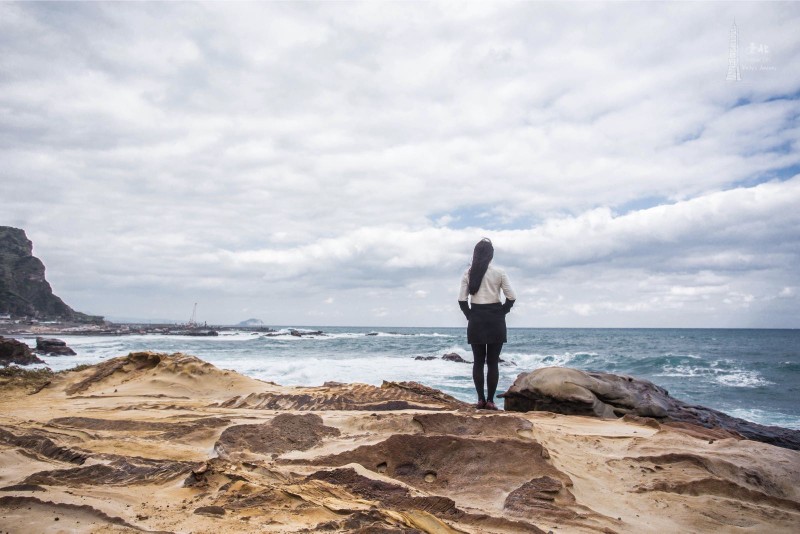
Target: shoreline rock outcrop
x: 53, y: 347
x: 17, y: 352
x: 170, y: 443
x: 606, y: 395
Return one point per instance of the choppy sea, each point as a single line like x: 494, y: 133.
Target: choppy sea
x: 752, y: 374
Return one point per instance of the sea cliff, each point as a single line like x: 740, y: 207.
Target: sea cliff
x: 169, y: 443
x: 24, y: 291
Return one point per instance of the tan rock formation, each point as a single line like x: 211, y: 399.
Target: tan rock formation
x: 154, y: 442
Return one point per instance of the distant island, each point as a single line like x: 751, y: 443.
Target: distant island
x: 251, y: 322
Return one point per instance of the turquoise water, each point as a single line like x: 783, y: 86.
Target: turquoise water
x: 752, y: 374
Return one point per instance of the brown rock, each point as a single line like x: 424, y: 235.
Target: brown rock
x: 450, y: 464
x: 210, y: 510
x: 17, y: 352
x: 287, y: 432
x: 453, y: 357
x: 53, y: 347
x: 576, y: 392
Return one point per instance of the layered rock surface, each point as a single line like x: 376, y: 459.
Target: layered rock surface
x: 169, y: 443
x: 575, y: 392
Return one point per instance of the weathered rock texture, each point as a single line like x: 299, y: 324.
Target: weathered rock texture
x: 13, y: 351
x: 575, y: 392
x: 168, y: 443
x: 24, y: 291
x: 53, y: 347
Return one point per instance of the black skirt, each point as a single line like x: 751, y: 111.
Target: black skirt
x: 487, y: 324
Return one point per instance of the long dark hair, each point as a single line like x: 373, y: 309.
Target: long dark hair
x: 483, y: 254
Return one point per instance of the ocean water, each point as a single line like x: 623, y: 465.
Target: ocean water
x: 752, y: 374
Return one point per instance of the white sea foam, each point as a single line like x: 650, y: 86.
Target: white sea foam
x: 742, y: 379
x: 765, y: 418
x: 374, y: 370
x: 350, y: 355
x: 530, y: 361
x: 732, y: 377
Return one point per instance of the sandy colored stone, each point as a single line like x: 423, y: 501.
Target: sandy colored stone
x: 129, y: 446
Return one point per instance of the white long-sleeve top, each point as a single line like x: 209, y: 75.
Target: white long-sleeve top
x: 493, y: 281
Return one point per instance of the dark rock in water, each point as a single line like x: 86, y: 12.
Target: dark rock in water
x: 371, y: 334
x: 453, y: 357
x: 425, y: 358
x: 24, y: 291
x: 13, y: 351
x: 574, y: 392
x: 53, y: 347
x: 298, y: 333
x: 193, y: 332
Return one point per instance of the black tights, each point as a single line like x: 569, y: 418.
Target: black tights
x: 486, y: 354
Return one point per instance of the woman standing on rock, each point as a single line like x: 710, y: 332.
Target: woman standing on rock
x: 486, y: 328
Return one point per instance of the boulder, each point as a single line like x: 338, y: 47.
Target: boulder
x: 53, y: 347
x: 575, y: 392
x: 453, y: 357
x: 13, y: 351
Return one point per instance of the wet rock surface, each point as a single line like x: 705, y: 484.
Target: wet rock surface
x: 575, y: 392
x: 168, y: 443
x: 16, y: 352
x: 53, y: 347
x: 454, y: 357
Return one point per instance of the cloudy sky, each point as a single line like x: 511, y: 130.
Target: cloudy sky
x: 335, y: 163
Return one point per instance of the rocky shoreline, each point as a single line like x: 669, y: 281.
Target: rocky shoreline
x: 169, y: 443
x: 28, y: 328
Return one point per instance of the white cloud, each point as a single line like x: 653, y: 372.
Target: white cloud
x: 158, y: 154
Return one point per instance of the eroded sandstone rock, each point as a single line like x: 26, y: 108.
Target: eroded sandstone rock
x: 575, y: 392
x: 286, y: 432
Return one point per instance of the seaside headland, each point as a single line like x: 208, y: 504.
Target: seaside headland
x: 170, y: 443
